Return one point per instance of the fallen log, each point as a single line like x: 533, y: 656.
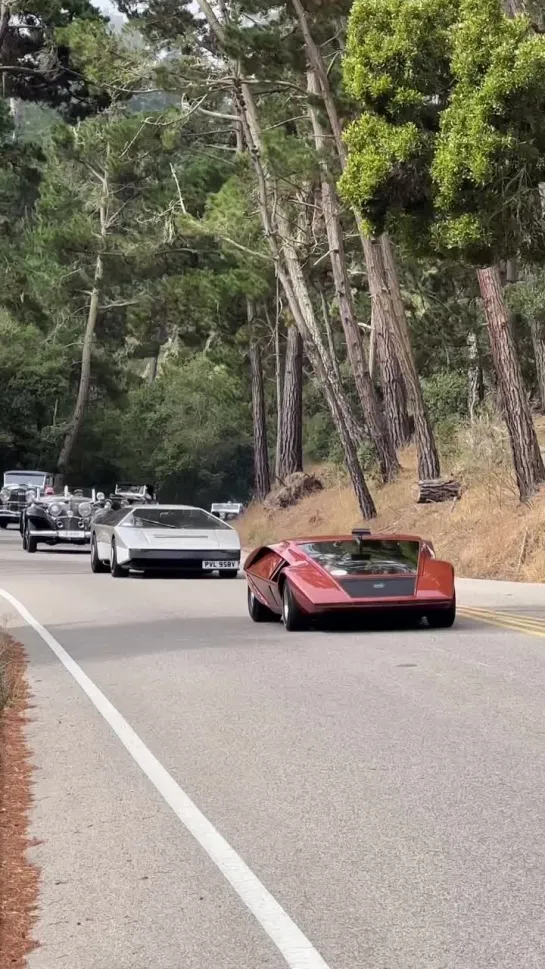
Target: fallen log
x: 436, y: 489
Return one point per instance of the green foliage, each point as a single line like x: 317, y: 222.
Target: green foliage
x: 445, y: 395
x: 489, y: 156
x: 449, y: 128
x: 190, y: 431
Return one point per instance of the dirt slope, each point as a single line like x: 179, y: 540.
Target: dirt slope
x: 486, y: 534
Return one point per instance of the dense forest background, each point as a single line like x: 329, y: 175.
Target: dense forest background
x: 235, y: 238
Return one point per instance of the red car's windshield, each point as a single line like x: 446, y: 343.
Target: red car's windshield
x: 366, y: 557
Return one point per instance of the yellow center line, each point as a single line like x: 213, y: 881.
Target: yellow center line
x: 532, y: 626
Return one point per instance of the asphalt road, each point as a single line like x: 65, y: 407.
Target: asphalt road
x: 386, y: 788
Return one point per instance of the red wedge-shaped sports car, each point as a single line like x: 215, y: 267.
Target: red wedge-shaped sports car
x: 359, y: 573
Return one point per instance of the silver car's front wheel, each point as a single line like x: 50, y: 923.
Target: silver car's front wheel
x: 96, y: 564
x: 117, y: 571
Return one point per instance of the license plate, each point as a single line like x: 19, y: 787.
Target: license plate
x: 220, y: 565
x: 63, y: 534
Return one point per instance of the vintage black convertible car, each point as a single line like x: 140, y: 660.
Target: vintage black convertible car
x: 18, y: 488
x: 59, y: 519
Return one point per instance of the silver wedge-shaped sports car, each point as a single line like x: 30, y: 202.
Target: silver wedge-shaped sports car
x: 174, y: 538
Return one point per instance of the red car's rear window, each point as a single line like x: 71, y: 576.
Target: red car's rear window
x: 367, y: 557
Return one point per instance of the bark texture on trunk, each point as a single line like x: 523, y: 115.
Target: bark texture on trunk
x: 428, y: 457
x: 377, y: 427
x: 427, y: 492
x: 393, y: 386
x: 279, y: 393
x: 475, y: 383
x: 537, y: 330
x: 329, y: 332
x: 262, y: 477
x: 527, y: 460
x: 291, y: 428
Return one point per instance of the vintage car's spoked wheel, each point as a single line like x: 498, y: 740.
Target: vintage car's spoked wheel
x: 294, y: 618
x: 442, y: 618
x: 30, y: 543
x: 96, y: 564
x: 258, y: 612
x: 115, y: 568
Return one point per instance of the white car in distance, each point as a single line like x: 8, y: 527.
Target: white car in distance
x: 161, y: 538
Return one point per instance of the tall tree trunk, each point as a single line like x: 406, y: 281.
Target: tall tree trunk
x: 291, y: 433
x: 78, y: 414
x: 290, y: 271
x: 393, y: 387
x: 537, y: 330
x: 372, y: 347
x: 262, y: 477
x: 529, y: 469
x: 329, y: 332
x: 377, y: 427
x: 279, y: 392
x: 391, y: 307
x: 428, y: 458
x: 475, y: 386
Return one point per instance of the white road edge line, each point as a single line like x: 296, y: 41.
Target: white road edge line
x: 296, y: 949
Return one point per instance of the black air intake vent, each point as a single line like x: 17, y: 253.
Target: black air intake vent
x: 379, y: 587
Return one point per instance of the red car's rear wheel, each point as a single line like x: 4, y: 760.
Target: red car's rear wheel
x: 442, y: 618
x: 258, y: 612
x: 294, y: 618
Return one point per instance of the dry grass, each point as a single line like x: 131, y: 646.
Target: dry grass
x: 486, y: 534
x: 10, y: 671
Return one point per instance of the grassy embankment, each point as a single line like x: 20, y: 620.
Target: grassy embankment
x: 486, y: 534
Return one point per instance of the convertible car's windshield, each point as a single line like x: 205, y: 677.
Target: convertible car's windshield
x: 368, y: 557
x: 129, y: 489
x: 154, y: 517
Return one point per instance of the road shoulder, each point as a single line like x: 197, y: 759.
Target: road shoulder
x: 18, y: 876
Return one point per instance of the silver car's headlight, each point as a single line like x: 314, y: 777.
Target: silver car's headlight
x: 84, y: 509
x: 55, y: 509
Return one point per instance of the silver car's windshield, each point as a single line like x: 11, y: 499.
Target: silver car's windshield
x: 174, y: 518
x: 25, y: 478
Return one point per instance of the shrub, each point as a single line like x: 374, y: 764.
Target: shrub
x: 445, y: 395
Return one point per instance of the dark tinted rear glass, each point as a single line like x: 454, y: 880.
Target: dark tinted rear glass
x: 368, y: 557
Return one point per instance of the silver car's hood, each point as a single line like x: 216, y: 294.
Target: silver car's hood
x: 180, y: 538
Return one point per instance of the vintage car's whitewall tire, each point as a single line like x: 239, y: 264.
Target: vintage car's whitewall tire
x: 96, y: 564
x: 30, y: 542
x: 258, y: 612
x: 294, y: 619
x: 116, y: 570
x: 442, y: 618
